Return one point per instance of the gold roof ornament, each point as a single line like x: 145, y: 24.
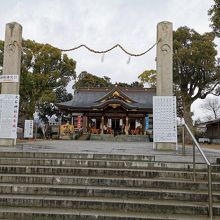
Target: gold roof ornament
x: 116, y: 94
x: 115, y: 105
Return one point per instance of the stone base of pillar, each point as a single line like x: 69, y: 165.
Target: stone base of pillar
x: 7, y: 142
x: 165, y: 146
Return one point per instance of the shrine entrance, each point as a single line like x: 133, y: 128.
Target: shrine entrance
x: 116, y: 124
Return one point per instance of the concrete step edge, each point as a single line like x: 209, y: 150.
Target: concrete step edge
x: 102, y: 164
x: 110, y: 188
x: 75, y: 155
x: 67, y: 212
x: 108, y: 200
x: 158, y: 179
x: 108, y: 160
x: 104, y: 169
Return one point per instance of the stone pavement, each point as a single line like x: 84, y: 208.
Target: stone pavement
x: 104, y: 147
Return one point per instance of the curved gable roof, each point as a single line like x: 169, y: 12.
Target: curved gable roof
x: 116, y: 92
x: 130, y: 98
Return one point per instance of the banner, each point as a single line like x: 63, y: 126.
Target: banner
x: 146, y: 122
x: 79, y: 122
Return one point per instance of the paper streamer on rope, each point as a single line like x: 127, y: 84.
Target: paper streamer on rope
x: 103, y: 58
x: 129, y: 60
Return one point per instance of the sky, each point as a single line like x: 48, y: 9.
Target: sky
x: 100, y: 24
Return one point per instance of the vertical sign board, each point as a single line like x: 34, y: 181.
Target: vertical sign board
x: 78, y: 121
x: 164, y: 119
x: 28, y: 128
x: 146, y: 122
x: 9, y: 106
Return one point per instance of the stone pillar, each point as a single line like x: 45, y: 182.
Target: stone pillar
x: 164, y: 67
x: 102, y: 125
x: 12, y: 63
x: 143, y: 125
x: 164, y: 59
x: 126, y: 125
x: 84, y: 124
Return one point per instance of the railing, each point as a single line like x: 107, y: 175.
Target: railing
x: 209, y: 166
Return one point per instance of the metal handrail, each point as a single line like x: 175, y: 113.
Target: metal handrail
x: 197, y: 145
x: 209, y: 166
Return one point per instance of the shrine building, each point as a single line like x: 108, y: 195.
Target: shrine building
x: 126, y: 111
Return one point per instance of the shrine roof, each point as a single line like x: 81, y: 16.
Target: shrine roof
x: 86, y: 98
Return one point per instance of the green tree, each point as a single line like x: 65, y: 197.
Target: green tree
x: 44, y: 72
x: 134, y: 84
x: 88, y: 80
x: 49, y: 108
x: 194, y: 66
x: 214, y: 13
x: 149, y: 77
x: 137, y: 84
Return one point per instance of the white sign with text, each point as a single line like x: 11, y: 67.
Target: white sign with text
x: 28, y: 128
x: 164, y: 119
x: 9, y: 107
x: 8, y: 78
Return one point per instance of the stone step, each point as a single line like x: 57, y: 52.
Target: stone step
x: 112, y: 172
x: 72, y: 214
x: 119, y: 138
x: 91, y: 156
x: 107, y: 192
x: 107, y: 181
x: 123, y: 205
x: 104, y: 164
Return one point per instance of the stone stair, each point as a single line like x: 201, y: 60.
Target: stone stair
x: 84, y: 137
x: 44, y: 186
x: 119, y: 138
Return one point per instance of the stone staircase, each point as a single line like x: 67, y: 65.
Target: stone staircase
x: 84, y: 137
x: 44, y: 186
x: 119, y: 138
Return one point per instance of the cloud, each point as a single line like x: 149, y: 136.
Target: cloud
x: 101, y: 24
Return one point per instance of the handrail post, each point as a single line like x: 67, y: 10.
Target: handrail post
x: 209, y: 166
x: 210, y: 190
x: 183, y: 141
x: 194, y: 162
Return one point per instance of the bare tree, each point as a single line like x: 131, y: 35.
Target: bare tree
x: 211, y: 107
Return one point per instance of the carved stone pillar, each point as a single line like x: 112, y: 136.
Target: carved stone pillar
x: 102, y: 124
x: 84, y: 125
x: 126, y: 125
x: 164, y: 59
x: 164, y: 67
x: 12, y: 64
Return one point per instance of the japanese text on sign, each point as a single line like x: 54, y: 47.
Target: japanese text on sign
x: 28, y: 128
x: 9, y: 106
x: 164, y: 119
x: 8, y: 78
